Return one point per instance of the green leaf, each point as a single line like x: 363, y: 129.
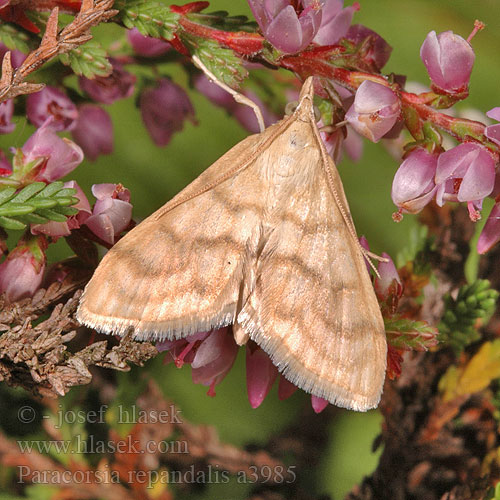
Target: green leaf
x: 10, y: 223
x: 407, y: 334
x: 222, y: 20
x: 51, y: 215
x: 51, y: 189
x: 16, y: 39
x: 33, y: 219
x: 7, y: 194
x: 89, y: 60
x: 458, y: 326
x: 27, y: 192
x: 14, y: 209
x: 150, y: 18
x: 66, y: 192
x: 66, y: 210
x: 36, y: 203
x: 223, y: 63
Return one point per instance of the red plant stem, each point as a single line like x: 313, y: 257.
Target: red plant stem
x: 240, y: 41
x: 316, y: 62
x: 450, y: 124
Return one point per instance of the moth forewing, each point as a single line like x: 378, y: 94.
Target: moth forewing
x: 263, y: 239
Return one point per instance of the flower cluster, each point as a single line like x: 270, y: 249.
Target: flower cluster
x: 306, y: 37
x: 212, y: 354
x: 47, y: 157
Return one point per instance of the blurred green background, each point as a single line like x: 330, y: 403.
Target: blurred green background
x: 154, y: 175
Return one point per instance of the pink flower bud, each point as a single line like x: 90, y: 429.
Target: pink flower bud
x: 261, y: 374
x: 492, y: 132
x: 147, y: 46
x: 318, y: 404
x: 464, y: 173
x: 57, y: 229
x: 335, y: 22
x: 289, y: 30
x: 246, y: 116
x: 214, y: 358
x: 5, y: 166
x: 164, y: 110
x: 6, y: 112
x: 389, y: 282
x: 60, y: 155
x: 413, y: 185
x: 243, y: 114
x: 449, y: 60
x: 285, y: 388
x: 108, y: 89
x: 490, y: 235
x: 377, y: 49
x: 51, y: 102
x: 16, y: 56
x: 21, y: 273
x: 93, y: 131
x: 112, y: 211
x: 214, y: 93
x: 375, y: 110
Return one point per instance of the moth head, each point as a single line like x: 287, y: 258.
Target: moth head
x: 304, y: 107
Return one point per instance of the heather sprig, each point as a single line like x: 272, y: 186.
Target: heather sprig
x: 37, y: 203
x: 463, y: 315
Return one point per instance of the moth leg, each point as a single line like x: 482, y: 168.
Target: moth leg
x: 240, y: 98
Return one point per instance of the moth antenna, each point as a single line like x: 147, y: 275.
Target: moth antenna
x: 367, y: 254
x: 240, y: 98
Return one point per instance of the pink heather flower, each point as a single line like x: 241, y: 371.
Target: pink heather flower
x: 492, y: 132
x: 490, y: 235
x: 16, y: 56
x: 377, y: 49
x: 112, y: 211
x: 164, y: 109
x: 60, y: 155
x: 22, y: 271
x: 244, y: 115
x: 108, y: 89
x: 465, y: 173
x: 211, y: 355
x: 333, y: 142
x: 214, y: 358
x: 288, y: 29
x: 335, y: 22
x: 6, y: 112
x: 449, y: 60
x: 51, y: 102
x: 93, y: 131
x: 147, y: 46
x: 318, y: 404
x: 5, y: 166
x: 413, y: 185
x: 389, y: 282
x: 261, y: 374
x: 375, y: 110
x: 353, y: 145
x: 285, y: 388
x: 214, y: 93
x: 57, y: 229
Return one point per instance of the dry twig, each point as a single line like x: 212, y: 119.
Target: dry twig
x: 37, y: 358
x: 53, y: 44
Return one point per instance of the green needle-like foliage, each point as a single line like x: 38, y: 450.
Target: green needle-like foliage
x: 36, y: 203
x: 458, y: 325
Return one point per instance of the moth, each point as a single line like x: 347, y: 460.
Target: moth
x: 262, y: 240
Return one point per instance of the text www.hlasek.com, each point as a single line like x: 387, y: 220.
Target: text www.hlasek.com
x: 79, y: 445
